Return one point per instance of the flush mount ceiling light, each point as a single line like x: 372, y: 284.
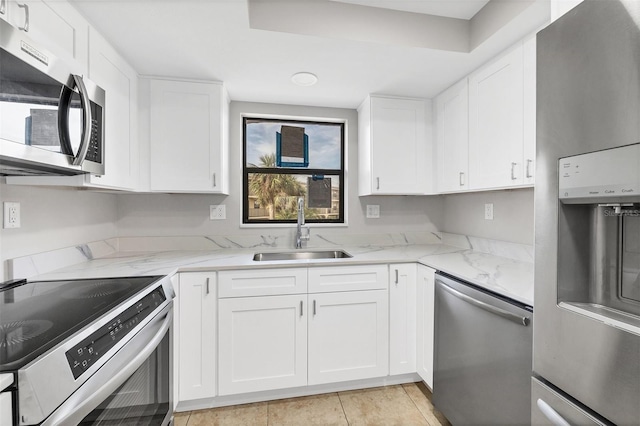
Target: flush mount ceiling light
x: 304, y: 79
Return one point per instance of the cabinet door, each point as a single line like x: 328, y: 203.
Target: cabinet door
x: 53, y: 24
x: 188, y: 137
x: 398, y: 146
x: 425, y: 328
x: 197, y: 338
x: 529, y: 143
x: 452, y: 141
x: 348, y: 336
x: 496, y: 123
x: 263, y: 343
x: 402, y: 318
x: 120, y: 82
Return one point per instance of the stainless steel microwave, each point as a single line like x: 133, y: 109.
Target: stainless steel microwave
x: 51, y: 118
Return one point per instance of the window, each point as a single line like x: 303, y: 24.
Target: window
x: 287, y: 159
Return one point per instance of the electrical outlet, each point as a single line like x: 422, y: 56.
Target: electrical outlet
x: 488, y: 211
x: 217, y: 212
x: 11, y: 215
x: 373, y: 211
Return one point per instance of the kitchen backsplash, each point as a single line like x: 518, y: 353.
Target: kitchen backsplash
x: 41, y: 263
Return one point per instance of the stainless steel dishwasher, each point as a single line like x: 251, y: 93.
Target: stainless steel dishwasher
x: 483, y: 355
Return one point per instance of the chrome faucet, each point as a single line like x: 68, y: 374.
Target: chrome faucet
x: 300, y: 237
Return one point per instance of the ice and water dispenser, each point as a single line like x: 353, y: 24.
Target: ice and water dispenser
x: 599, y: 235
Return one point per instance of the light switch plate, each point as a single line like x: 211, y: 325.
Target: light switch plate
x: 11, y: 215
x: 488, y: 211
x: 373, y: 211
x: 217, y: 212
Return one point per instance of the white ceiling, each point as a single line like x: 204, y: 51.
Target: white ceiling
x: 212, y: 40
x: 461, y: 9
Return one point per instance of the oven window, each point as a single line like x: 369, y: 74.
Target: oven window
x: 144, y: 399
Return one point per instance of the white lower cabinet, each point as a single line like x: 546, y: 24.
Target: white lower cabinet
x: 348, y: 336
x: 425, y: 323
x: 263, y: 343
x: 402, y: 318
x: 197, y: 336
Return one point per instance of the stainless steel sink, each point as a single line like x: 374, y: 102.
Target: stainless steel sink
x: 301, y: 255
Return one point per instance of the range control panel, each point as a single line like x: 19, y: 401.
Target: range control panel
x: 87, y: 352
x: 601, y: 176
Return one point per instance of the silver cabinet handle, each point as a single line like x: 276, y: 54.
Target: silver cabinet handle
x: 487, y: 307
x: 396, y: 277
x: 208, y: 285
x: 3, y: 7
x: 552, y: 415
x: 461, y: 177
x: 529, y: 168
x: 513, y: 170
x: 25, y: 27
x: 214, y: 180
x: 301, y: 308
x: 378, y: 183
x: 314, y: 307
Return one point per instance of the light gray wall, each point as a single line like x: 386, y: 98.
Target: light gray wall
x: 55, y: 218
x: 512, y: 210
x: 188, y: 214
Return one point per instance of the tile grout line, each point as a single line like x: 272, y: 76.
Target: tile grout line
x: 342, y: 406
x: 416, y: 405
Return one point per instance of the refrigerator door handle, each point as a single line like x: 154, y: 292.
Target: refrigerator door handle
x: 524, y: 321
x: 554, y: 417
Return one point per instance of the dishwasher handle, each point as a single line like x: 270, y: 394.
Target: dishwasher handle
x: 522, y: 320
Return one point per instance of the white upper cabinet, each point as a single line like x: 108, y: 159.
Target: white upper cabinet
x: 394, y: 146
x: 452, y: 116
x: 120, y: 82
x: 189, y: 137
x: 529, y: 110
x: 486, y: 125
x: 53, y: 24
x: 496, y: 101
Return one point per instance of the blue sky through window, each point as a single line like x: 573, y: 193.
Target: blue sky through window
x: 324, y: 142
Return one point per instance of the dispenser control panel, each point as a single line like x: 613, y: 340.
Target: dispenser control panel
x: 611, y: 175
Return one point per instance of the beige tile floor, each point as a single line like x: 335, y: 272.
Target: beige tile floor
x: 408, y: 404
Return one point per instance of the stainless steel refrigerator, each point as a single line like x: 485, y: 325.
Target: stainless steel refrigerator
x: 587, y: 217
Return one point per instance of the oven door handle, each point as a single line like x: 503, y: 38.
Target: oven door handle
x: 114, y: 372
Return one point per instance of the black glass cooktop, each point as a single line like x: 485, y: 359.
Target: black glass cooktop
x: 36, y: 316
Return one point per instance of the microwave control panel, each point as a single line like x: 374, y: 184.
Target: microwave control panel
x: 611, y: 175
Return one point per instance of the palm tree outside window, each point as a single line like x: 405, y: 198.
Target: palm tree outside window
x: 273, y: 180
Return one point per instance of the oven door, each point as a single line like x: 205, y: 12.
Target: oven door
x: 133, y: 388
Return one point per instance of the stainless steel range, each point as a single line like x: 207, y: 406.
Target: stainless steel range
x: 587, y: 218
x: 88, y: 351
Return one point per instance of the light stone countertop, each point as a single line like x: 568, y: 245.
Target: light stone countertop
x: 511, y: 277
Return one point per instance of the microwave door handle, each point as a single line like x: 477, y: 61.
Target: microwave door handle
x: 86, y: 120
x: 106, y: 380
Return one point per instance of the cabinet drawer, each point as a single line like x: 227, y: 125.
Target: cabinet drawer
x: 262, y: 282
x: 348, y: 278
